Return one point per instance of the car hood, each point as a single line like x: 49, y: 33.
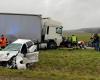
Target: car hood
x: 7, y: 55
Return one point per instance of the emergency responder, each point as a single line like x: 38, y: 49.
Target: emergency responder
x: 3, y: 41
x: 81, y: 44
x: 92, y: 41
x: 96, y: 42
x: 74, y: 41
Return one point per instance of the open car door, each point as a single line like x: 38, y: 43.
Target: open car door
x: 32, y: 55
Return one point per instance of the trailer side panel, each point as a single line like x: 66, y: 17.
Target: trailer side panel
x: 22, y: 26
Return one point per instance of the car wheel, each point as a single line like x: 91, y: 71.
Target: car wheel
x: 29, y: 65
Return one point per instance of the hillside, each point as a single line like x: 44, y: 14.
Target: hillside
x: 84, y: 30
x: 91, y: 30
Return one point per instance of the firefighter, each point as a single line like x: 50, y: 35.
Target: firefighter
x: 74, y: 41
x: 3, y: 41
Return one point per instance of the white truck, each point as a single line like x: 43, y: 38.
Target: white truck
x: 45, y: 32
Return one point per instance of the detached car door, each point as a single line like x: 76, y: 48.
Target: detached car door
x: 32, y: 53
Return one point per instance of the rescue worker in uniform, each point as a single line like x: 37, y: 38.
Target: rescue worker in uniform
x: 74, y: 41
x: 3, y: 41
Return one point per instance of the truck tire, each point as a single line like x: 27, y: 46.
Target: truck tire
x: 52, y: 45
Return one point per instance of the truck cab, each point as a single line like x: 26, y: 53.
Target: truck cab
x: 52, y: 32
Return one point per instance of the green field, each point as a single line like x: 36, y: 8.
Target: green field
x: 60, y: 64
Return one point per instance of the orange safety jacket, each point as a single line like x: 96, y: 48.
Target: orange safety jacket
x: 3, y: 42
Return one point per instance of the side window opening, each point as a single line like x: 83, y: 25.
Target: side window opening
x: 29, y: 44
x: 48, y: 30
x: 24, y: 50
x: 59, y: 30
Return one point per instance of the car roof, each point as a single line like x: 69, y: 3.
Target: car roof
x: 21, y: 41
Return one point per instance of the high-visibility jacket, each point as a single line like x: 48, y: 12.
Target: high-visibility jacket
x: 3, y: 42
x: 74, y: 39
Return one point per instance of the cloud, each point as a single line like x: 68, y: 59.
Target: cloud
x: 77, y: 13
x: 22, y: 6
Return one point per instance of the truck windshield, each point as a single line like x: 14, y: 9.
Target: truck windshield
x: 59, y: 30
x: 13, y: 47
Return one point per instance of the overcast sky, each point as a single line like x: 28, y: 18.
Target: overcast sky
x: 73, y: 14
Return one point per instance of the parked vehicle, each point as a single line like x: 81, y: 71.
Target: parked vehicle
x: 45, y: 32
x: 19, y: 54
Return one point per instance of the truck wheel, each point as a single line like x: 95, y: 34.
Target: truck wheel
x: 52, y: 45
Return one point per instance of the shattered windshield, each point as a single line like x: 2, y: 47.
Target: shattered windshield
x: 13, y: 47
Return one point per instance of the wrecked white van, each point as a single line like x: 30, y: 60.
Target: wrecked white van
x: 19, y: 54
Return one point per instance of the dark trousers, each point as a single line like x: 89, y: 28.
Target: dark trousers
x: 96, y: 45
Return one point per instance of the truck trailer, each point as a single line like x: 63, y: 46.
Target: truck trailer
x: 45, y: 32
